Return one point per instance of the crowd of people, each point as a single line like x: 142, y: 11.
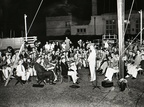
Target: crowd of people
x: 67, y: 59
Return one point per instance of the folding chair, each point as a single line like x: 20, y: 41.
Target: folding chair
x: 1, y: 76
x: 19, y: 80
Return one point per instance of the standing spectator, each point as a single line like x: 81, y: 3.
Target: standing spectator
x: 47, y: 47
x: 68, y: 42
x: 10, y: 50
x: 52, y: 46
x: 57, y: 46
x: 80, y: 43
x: 63, y: 46
x: 106, y: 45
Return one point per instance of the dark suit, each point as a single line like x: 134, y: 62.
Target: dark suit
x: 64, y: 67
x: 43, y: 74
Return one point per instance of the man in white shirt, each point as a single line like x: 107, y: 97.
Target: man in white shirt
x: 92, y: 63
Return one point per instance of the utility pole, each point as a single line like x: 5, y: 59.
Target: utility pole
x: 120, y: 14
x: 25, y: 16
x: 141, y: 22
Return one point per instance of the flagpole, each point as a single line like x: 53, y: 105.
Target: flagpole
x: 25, y: 22
x: 141, y: 22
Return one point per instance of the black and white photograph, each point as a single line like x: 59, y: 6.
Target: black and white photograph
x: 71, y: 53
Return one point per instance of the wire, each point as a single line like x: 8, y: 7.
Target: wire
x: 104, y: 97
x: 131, y: 42
x: 139, y: 98
x: 129, y: 17
x: 35, y: 16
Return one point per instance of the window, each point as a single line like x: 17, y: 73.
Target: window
x: 110, y: 27
x: 78, y: 30
x: 81, y: 30
x: 67, y: 24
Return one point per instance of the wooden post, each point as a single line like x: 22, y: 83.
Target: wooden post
x: 121, y: 13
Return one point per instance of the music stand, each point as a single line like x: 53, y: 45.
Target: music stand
x: 95, y: 82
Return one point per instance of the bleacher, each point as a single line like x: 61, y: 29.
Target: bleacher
x: 111, y: 38
x: 16, y: 42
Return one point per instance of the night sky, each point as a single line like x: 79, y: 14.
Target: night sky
x: 12, y: 11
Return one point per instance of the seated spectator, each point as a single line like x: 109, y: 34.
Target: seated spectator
x: 112, y: 67
x: 21, y: 72
x: 42, y: 73
x: 132, y: 69
x: 3, y: 65
x: 77, y: 58
x: 104, y: 61
x: 142, y: 62
x: 141, y: 65
x: 28, y: 67
x: 64, y: 67
x: 137, y: 58
x: 73, y: 72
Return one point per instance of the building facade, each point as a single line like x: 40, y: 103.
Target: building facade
x: 108, y: 24
x: 60, y: 25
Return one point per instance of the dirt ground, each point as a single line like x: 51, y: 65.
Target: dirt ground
x: 62, y: 95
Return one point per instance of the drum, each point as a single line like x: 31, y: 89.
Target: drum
x: 107, y: 84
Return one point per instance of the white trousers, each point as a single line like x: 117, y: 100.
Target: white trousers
x: 104, y: 66
x: 24, y: 75
x: 6, y: 71
x: 73, y: 73
x: 133, y: 70
x: 74, y: 76
x: 92, y: 71
x: 110, y: 72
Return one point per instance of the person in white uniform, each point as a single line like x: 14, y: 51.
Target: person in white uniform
x: 92, y: 63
